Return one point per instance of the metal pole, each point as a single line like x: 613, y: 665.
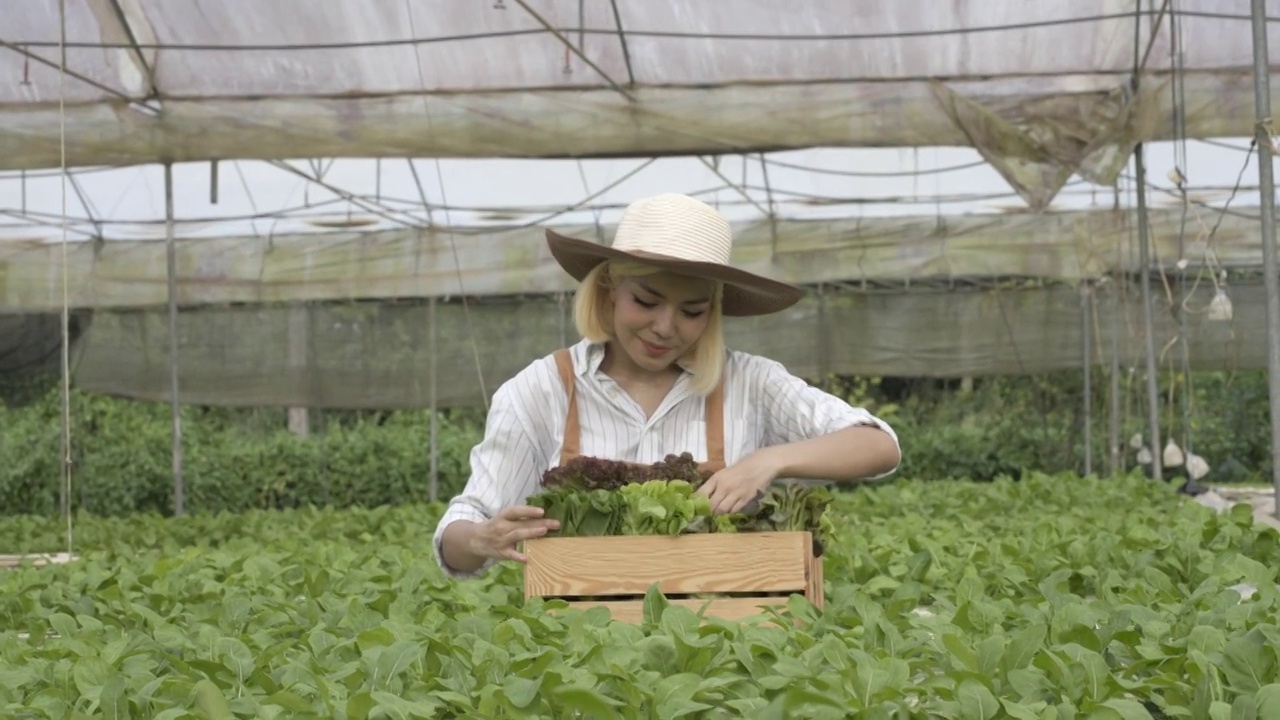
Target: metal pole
x: 1148, y: 324
x: 299, y: 416
x: 1266, y: 185
x: 1184, y: 343
x: 824, y: 340
x: 171, y: 255
x: 1113, y: 438
x: 565, y: 308
x: 433, y: 485
x: 1086, y: 364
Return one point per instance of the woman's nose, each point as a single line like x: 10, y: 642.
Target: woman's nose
x: 663, y: 323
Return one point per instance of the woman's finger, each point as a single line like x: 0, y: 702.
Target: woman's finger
x: 504, y: 546
x: 502, y: 537
x: 709, y: 487
x: 730, y: 504
x: 521, y: 512
x: 525, y: 532
x: 513, y: 554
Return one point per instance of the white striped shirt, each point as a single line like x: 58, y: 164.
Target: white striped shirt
x: 764, y: 405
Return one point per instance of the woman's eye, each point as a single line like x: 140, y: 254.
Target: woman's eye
x: 693, y: 313
x: 642, y: 303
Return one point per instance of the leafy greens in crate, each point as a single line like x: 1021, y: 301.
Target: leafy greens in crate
x: 591, y: 496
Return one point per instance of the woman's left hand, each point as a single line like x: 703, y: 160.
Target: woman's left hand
x: 738, y: 485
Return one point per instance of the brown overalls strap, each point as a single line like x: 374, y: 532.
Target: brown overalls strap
x: 714, y: 410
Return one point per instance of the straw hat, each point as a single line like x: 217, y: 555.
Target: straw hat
x: 683, y: 235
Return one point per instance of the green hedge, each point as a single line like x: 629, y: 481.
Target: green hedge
x: 123, y: 460
x: 1008, y: 425
x: 235, y: 460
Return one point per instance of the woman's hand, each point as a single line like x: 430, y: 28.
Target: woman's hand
x: 740, y: 484
x: 498, y: 536
x: 856, y: 452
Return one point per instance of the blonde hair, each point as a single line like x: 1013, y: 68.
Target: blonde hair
x: 593, y: 316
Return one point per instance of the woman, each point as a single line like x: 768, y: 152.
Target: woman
x: 651, y: 377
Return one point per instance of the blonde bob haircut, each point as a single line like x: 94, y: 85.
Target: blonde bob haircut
x: 593, y: 316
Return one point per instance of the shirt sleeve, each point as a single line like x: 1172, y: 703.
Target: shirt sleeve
x: 506, y: 465
x: 800, y: 411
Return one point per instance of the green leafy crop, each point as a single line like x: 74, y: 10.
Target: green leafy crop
x: 1053, y: 598
x: 591, y: 496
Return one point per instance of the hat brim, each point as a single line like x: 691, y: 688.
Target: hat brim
x: 745, y: 294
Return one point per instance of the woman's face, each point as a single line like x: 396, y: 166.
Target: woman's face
x: 657, y: 318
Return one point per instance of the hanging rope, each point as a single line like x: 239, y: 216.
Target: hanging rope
x: 1178, y: 100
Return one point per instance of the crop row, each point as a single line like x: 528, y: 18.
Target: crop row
x: 1053, y: 597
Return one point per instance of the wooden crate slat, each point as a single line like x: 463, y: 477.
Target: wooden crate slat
x: 696, y: 563
x: 817, y: 589
x: 632, y: 611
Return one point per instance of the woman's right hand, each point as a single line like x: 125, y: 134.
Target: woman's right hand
x: 499, y: 536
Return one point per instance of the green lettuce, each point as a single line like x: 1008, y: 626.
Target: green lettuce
x: 674, y: 507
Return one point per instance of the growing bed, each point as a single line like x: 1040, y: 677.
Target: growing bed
x: 1051, y: 597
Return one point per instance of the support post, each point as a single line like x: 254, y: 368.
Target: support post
x: 1113, y: 398
x: 1266, y: 187
x: 299, y: 418
x: 1086, y: 366
x: 824, y: 341
x: 1148, y: 324
x: 1184, y: 346
x: 433, y: 484
x: 171, y: 278
x: 565, y: 308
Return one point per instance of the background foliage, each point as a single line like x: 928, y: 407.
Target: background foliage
x: 242, y: 459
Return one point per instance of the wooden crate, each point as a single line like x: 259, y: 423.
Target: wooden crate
x: 757, y: 568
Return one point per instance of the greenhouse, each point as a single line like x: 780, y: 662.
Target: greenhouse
x: 264, y: 268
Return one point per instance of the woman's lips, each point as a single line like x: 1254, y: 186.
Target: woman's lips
x: 654, y: 350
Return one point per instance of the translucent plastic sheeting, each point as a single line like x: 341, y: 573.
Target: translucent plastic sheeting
x: 1039, y: 83
x: 476, y: 262
x: 381, y: 356
x: 269, y: 199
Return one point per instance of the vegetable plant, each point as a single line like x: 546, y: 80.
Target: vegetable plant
x: 1051, y: 597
